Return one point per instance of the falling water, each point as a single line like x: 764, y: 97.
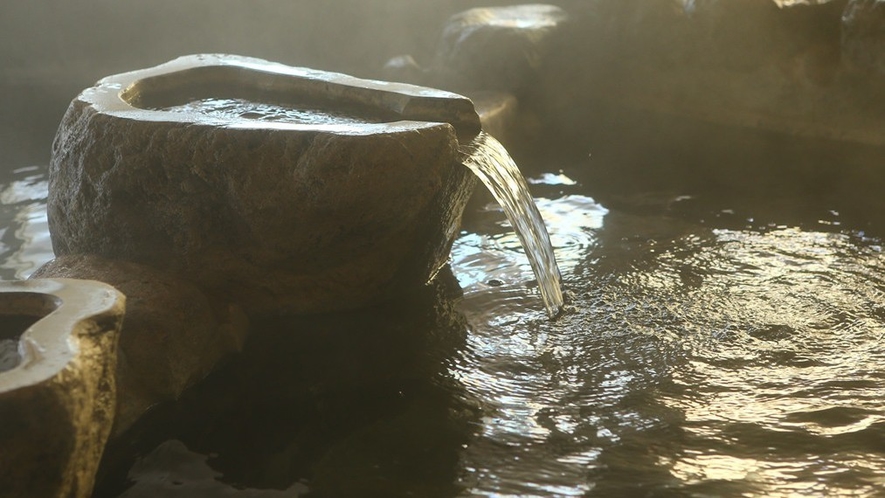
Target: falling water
x: 489, y: 160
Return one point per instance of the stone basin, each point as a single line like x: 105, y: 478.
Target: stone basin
x: 57, y: 400
x: 649, y: 327
x: 281, y: 189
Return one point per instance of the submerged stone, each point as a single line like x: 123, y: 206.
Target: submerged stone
x: 276, y: 216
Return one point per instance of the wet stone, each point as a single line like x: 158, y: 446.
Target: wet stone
x: 11, y: 329
x: 275, y: 216
x: 172, y: 337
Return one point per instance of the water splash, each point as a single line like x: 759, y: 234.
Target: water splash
x: 489, y: 161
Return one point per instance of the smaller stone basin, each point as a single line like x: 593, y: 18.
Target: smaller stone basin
x: 281, y: 189
x: 18, y: 312
x: 57, y: 391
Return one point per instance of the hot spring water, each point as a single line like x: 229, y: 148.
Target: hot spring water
x: 719, y: 344
x: 235, y: 108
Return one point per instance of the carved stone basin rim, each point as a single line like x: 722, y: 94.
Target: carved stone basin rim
x: 60, y: 307
x: 353, y: 197
x: 144, y: 93
x: 57, y: 403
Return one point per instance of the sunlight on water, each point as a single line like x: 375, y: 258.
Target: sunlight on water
x: 25, y: 232
x: 489, y: 160
x: 702, y: 353
x: 261, y: 111
x: 716, y: 361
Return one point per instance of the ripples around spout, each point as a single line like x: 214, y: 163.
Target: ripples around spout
x: 714, y: 346
x: 697, y: 359
x: 489, y: 160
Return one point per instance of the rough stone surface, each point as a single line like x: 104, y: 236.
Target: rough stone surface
x: 764, y: 65
x: 274, y: 217
x: 495, y: 48
x: 863, y: 35
x: 172, y: 336
x: 57, y: 406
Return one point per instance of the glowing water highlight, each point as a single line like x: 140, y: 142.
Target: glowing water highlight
x: 489, y: 160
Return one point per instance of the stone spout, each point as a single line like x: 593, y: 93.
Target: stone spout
x: 319, y: 192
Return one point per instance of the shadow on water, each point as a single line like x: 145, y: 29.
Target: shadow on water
x: 351, y: 404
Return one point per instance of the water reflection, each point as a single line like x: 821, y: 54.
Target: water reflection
x: 787, y: 373
x: 714, y: 346
x: 696, y: 360
x: 24, y: 240
x: 232, y: 109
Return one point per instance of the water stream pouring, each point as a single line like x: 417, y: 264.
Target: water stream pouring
x: 489, y: 160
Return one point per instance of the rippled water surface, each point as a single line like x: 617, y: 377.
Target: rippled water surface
x: 263, y: 111
x: 696, y: 360
x: 712, y: 346
x: 24, y: 233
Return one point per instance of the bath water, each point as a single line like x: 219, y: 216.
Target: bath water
x: 11, y: 330
x: 717, y: 344
x: 234, y: 108
x: 9, y: 356
x: 24, y: 243
x: 492, y: 164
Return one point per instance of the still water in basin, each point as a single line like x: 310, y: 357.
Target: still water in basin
x: 235, y: 108
x: 712, y: 345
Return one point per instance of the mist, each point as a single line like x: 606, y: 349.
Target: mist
x: 50, y: 50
